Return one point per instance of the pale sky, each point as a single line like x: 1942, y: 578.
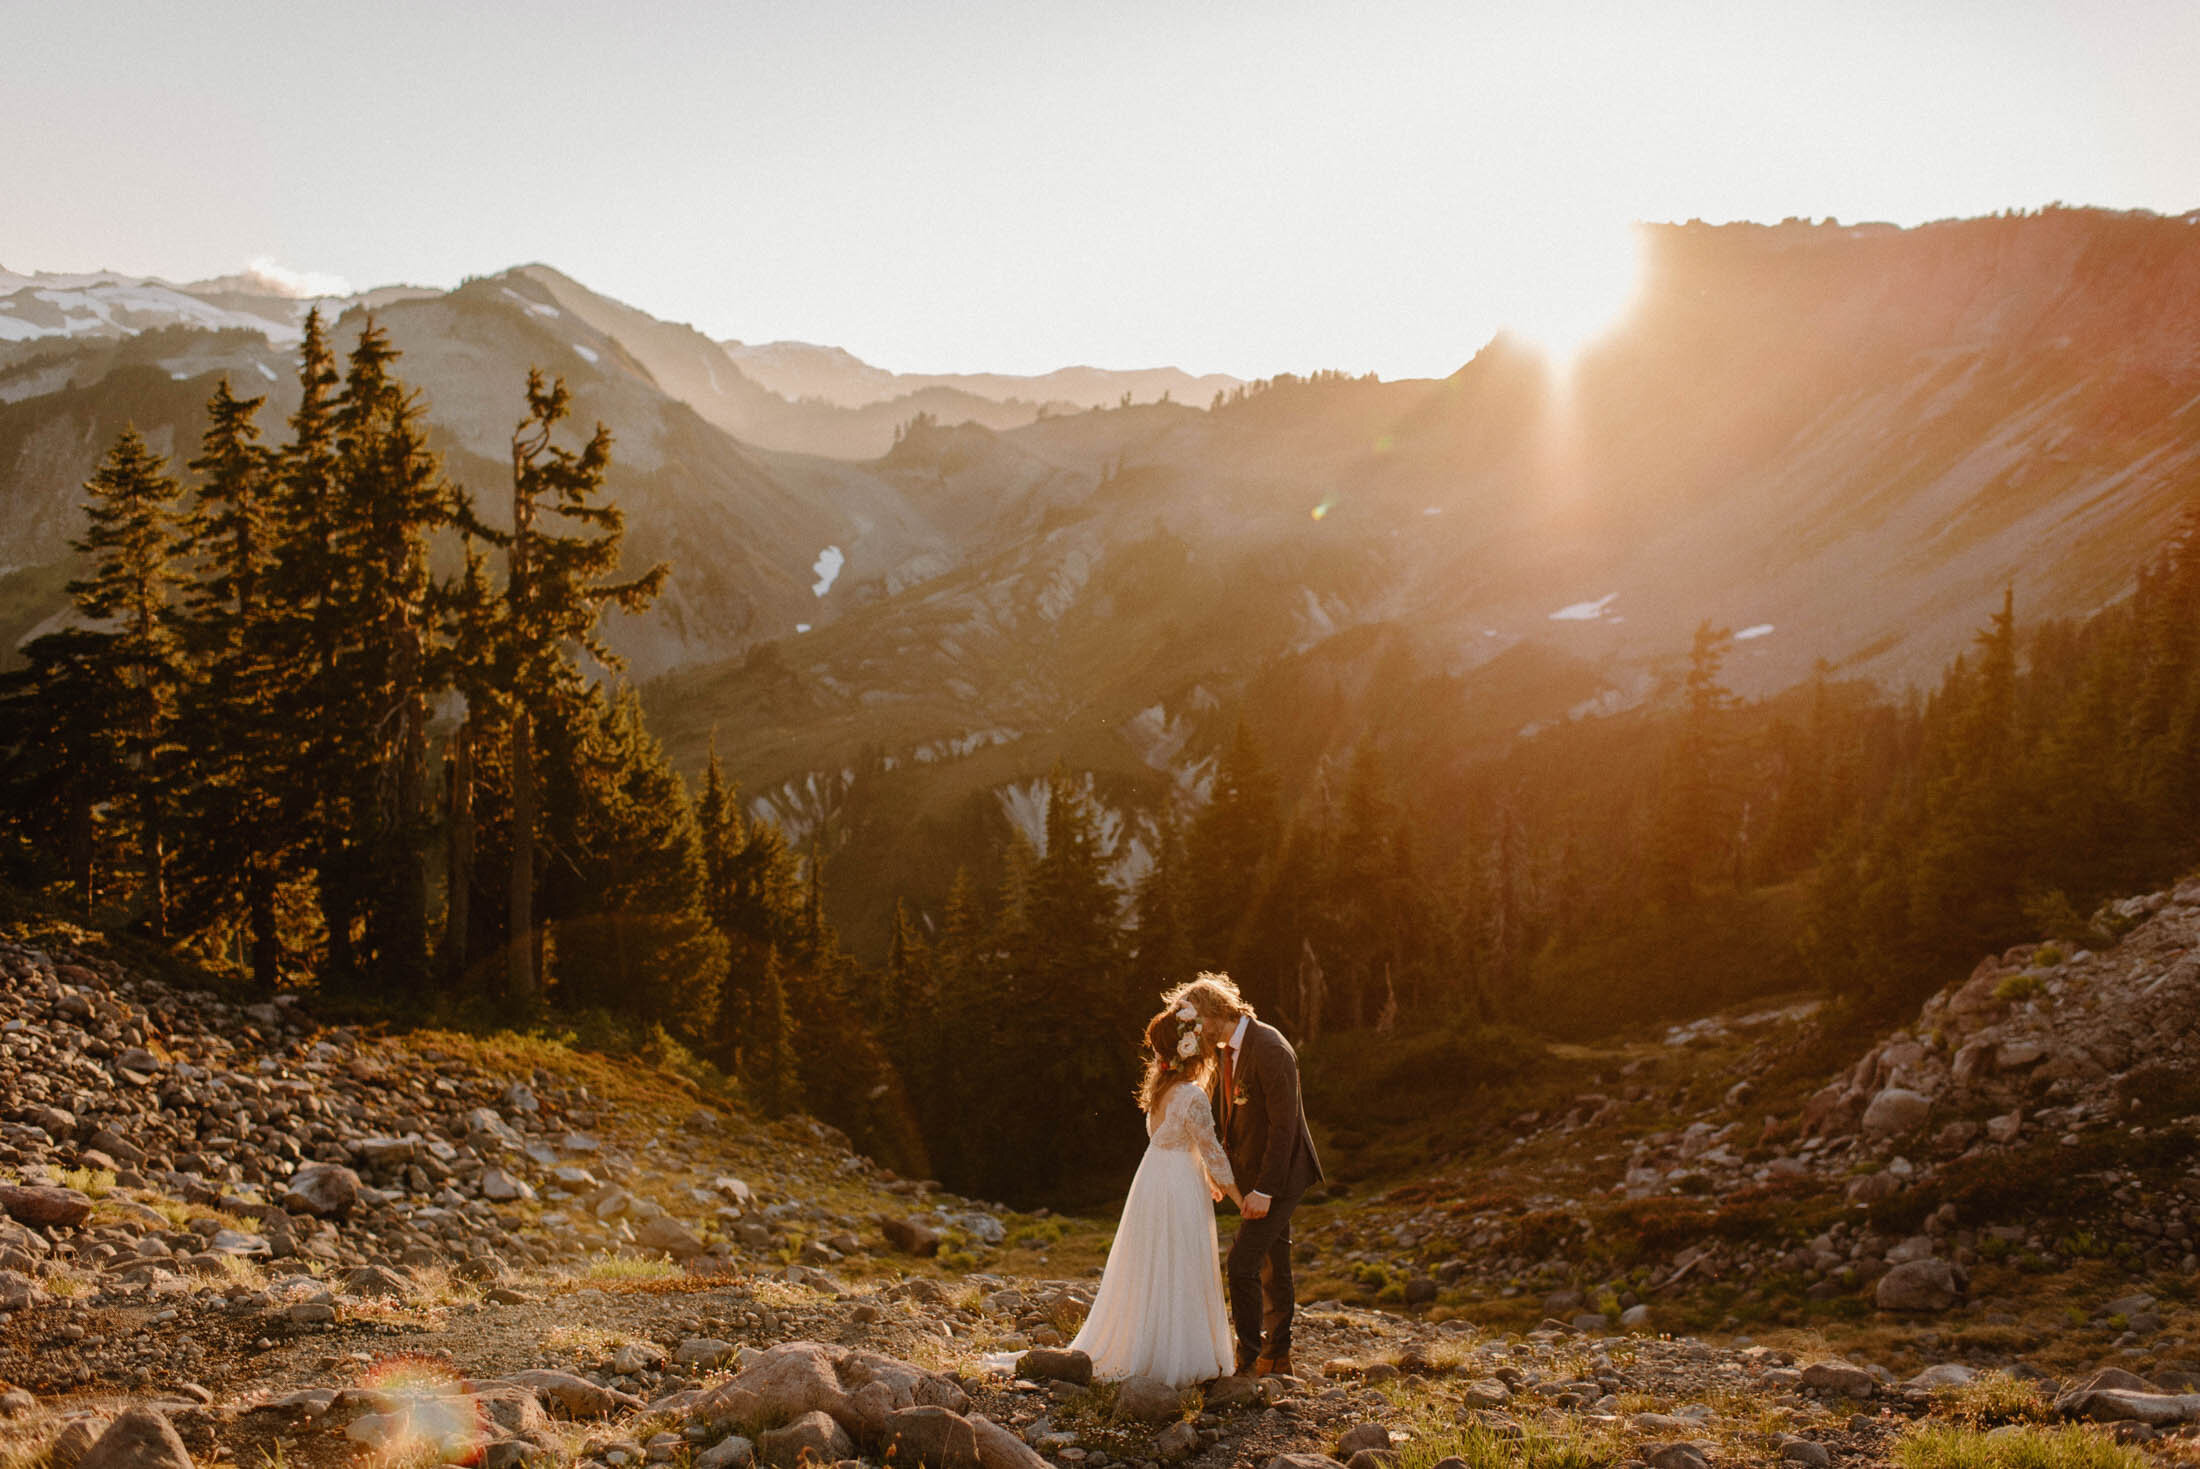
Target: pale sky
x: 1022, y: 185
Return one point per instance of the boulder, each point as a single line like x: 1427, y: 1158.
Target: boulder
x: 2005, y: 1128
x: 813, y: 1438
x: 932, y: 1438
x: 573, y: 1397
x: 1486, y: 1392
x: 1842, y: 1379
x: 1919, y: 1285
x: 377, y: 1282
x: 1941, y: 1374
x: 1147, y: 1400
x: 1226, y: 1393
x: 142, y: 1438
x: 1000, y: 1449
x: 1895, y: 1111
x: 1362, y: 1436
x: 2015, y: 1055
x: 44, y: 1207
x: 73, y: 1441
x: 731, y: 1452
x: 501, y: 1187
x: 670, y: 1235
x: 2117, y: 1405
x: 1806, y: 1453
x: 323, y: 1190
x: 1044, y: 1364
x: 1178, y: 1441
x: 908, y: 1236
x: 705, y: 1353
x: 1675, y: 1456
x: 860, y: 1390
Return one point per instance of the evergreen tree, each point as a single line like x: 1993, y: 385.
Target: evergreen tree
x: 1162, y: 923
x: 555, y: 593
x: 1230, y: 845
x: 776, y: 1077
x: 233, y: 733
x: 393, y: 498
x: 632, y: 937
x: 135, y: 661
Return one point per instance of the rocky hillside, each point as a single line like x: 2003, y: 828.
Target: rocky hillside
x: 235, y: 1234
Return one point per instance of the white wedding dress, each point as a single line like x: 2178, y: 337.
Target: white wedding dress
x: 1159, y: 1311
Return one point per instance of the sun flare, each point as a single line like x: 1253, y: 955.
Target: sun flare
x: 1573, y: 287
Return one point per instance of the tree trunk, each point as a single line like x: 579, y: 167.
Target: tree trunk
x: 458, y: 909
x: 520, y: 972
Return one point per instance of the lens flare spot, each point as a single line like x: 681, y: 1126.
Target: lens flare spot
x: 1321, y: 511
x: 422, y: 1413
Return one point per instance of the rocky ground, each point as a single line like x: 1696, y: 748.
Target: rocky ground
x: 233, y: 1234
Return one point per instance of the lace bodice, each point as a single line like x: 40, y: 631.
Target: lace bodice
x: 1185, y: 1123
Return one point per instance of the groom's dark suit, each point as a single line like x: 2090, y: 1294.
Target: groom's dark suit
x: 1264, y: 1132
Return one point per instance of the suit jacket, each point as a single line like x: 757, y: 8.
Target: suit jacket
x: 1265, y: 1135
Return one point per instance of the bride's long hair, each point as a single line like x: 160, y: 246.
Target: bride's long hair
x: 1166, y: 1069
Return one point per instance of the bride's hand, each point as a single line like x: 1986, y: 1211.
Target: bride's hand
x: 1216, y: 1190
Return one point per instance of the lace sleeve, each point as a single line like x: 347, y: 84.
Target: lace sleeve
x: 1193, y: 1126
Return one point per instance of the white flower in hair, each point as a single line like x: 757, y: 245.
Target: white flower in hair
x: 1189, y: 1012
x: 1187, y: 1045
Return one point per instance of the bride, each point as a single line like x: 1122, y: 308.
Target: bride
x: 1159, y: 1311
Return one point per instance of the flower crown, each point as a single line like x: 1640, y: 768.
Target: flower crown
x: 1188, y: 1027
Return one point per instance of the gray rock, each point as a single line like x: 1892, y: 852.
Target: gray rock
x: 1941, y: 1374
x: 670, y: 1235
x: 1300, y: 1461
x: 705, y: 1352
x: 73, y: 1441
x: 1895, y: 1111
x: 1675, y: 1456
x: 45, y: 1207
x: 1045, y: 1364
x: 573, y: 1397
x: 1842, y: 1379
x: 932, y: 1438
x: 1486, y: 1392
x: 908, y: 1236
x: 142, y: 1438
x: 1363, y: 1436
x: 1373, y: 1459
x: 1000, y: 1449
x: 2116, y: 1405
x: 323, y: 1190
x: 1147, y: 1400
x: 731, y: 1452
x: 1178, y: 1441
x: 1635, y: 1318
x: 1918, y: 1285
x: 637, y: 1356
x: 503, y: 1188
x: 1806, y: 1453
x: 812, y: 1436
x: 1227, y: 1393
x: 377, y: 1282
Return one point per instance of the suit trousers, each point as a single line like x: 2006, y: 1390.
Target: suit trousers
x: 1259, y: 1270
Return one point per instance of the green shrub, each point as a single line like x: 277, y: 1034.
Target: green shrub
x: 1931, y: 1445
x: 2025, y: 984
x: 1989, y: 1400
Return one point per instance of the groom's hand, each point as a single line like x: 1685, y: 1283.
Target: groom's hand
x: 1256, y: 1206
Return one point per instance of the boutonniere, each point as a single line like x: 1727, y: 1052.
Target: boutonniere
x: 1238, y: 1098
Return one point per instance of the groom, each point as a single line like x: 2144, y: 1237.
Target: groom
x: 1264, y: 1132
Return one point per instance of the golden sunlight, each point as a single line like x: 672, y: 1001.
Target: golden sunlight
x: 1571, y: 287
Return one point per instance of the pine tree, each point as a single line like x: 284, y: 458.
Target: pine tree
x: 1162, y: 925
x: 392, y: 498
x: 776, y: 1077
x: 1231, y: 845
x: 313, y: 599
x: 632, y: 937
x: 232, y: 727
x: 137, y: 662
x: 554, y: 598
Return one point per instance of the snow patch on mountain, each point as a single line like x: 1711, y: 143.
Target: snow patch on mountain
x: 827, y: 569
x: 1585, y: 611
x: 1762, y: 629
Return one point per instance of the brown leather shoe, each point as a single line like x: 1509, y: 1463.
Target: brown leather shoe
x: 1274, y: 1367
x: 1247, y: 1367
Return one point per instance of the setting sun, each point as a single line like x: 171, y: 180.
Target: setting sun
x: 1571, y: 287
